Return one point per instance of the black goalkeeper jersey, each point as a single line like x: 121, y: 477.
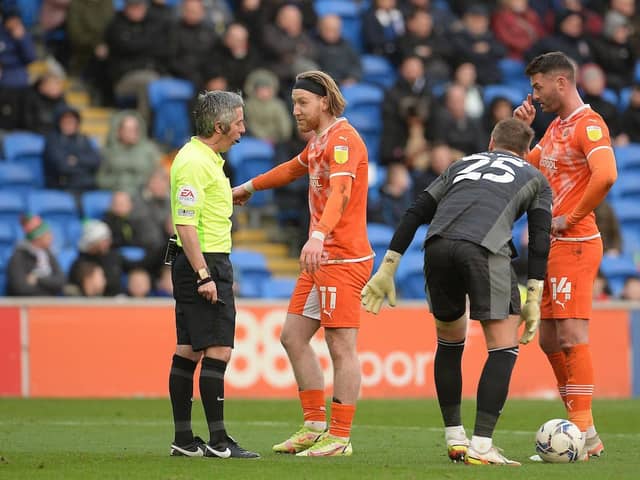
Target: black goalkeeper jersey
x: 478, y: 198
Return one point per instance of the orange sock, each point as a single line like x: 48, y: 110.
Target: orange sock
x: 558, y: 361
x: 341, y: 419
x: 313, y: 407
x: 580, y: 385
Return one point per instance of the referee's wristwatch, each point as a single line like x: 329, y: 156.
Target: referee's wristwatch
x: 204, y: 276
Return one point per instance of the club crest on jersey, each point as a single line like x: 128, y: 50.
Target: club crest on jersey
x: 341, y: 154
x: 594, y: 133
x: 187, y: 195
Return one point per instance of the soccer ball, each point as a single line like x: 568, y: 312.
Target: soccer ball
x: 559, y: 441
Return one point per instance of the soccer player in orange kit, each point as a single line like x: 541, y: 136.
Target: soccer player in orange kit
x: 576, y: 156
x: 336, y: 263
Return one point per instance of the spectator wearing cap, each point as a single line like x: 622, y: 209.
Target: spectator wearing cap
x: 613, y: 52
x: 33, y: 269
x: 95, y: 247
x: 474, y: 42
x: 267, y: 115
x: 569, y: 38
x: 70, y: 159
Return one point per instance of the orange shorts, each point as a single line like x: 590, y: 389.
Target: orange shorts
x: 332, y: 294
x: 571, y: 271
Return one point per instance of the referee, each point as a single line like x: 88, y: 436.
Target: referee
x: 471, y: 208
x: 201, y: 208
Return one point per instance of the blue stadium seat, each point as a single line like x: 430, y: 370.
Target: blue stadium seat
x: 132, y: 253
x: 10, y: 234
x: 512, y: 69
x: 513, y: 93
x: 363, y: 98
x: 518, y: 230
x: 29, y: 11
x: 377, y: 70
x: 59, y: 237
x: 169, y: 99
x: 119, y: 4
x: 617, y: 269
x: 369, y: 127
x: 418, y: 239
x: 624, y: 99
x: 627, y: 186
x: 66, y: 257
x: 95, y: 203
x: 249, y: 158
x: 628, y: 157
x: 12, y: 206
x: 252, y: 270
x: 379, y: 237
x: 16, y: 178
x: 26, y: 148
x: 278, y: 288
x: 53, y: 205
x: 610, y: 95
x: 350, y: 14
x: 410, y: 276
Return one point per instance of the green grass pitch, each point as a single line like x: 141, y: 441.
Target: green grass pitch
x: 394, y: 439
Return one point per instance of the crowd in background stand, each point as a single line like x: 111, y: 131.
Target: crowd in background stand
x: 445, y: 54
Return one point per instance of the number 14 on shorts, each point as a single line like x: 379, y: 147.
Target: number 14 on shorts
x: 560, y: 290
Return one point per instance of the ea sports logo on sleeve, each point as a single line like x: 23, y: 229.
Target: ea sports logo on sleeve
x: 187, y: 195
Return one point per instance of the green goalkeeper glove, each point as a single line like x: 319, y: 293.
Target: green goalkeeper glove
x: 530, y: 313
x: 381, y: 284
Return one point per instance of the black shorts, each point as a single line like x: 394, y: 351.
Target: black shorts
x: 456, y: 268
x: 200, y: 323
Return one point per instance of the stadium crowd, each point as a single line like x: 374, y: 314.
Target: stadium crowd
x: 452, y: 70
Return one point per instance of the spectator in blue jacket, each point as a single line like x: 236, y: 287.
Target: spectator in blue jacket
x: 17, y: 50
x: 71, y: 160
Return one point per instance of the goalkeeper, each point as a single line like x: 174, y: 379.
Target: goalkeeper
x: 471, y: 209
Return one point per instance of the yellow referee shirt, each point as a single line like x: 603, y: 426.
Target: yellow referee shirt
x: 201, y: 196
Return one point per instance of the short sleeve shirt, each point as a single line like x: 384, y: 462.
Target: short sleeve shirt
x: 201, y: 196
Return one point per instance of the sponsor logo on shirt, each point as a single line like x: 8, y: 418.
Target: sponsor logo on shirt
x: 187, y: 195
x: 594, y: 133
x: 548, y: 162
x: 314, y: 181
x: 184, y: 212
x: 341, y: 154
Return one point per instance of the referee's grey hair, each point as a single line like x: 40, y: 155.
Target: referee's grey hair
x: 213, y: 107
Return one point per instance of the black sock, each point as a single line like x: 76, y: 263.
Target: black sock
x: 448, y: 376
x: 212, y: 394
x: 181, y: 391
x: 493, y: 389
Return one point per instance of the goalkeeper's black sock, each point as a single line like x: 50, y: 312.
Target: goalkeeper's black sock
x: 212, y: 394
x: 448, y: 377
x: 493, y: 389
x: 180, y: 392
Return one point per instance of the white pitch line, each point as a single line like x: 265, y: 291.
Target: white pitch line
x: 156, y: 423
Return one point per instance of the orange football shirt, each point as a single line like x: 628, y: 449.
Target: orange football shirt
x: 562, y: 156
x: 339, y: 150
